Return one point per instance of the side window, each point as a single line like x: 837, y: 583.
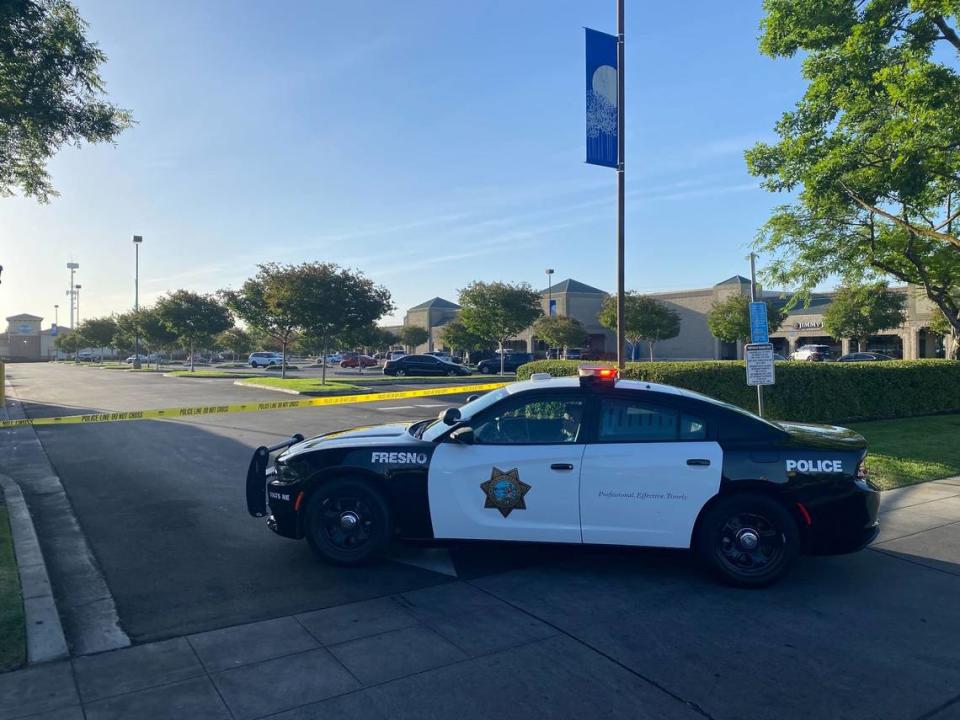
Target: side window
x: 632, y: 421
x: 692, y: 428
x: 540, y: 420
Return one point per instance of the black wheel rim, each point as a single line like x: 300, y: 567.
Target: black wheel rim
x: 347, y: 522
x: 750, y: 544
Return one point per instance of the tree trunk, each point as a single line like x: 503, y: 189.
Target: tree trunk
x: 500, y: 343
x: 859, y: 345
x: 651, y: 350
x: 191, y: 357
x: 283, y: 359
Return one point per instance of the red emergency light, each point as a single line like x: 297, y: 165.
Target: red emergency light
x: 593, y: 374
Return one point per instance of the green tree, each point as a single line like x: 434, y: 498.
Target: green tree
x: 155, y: 333
x: 857, y: 312
x: 270, y: 302
x: 497, y: 311
x: 870, y: 152
x: 236, y: 340
x: 67, y: 342
x: 560, y: 332
x: 51, y: 93
x: 646, y: 319
x: 455, y: 336
x: 412, y: 335
x: 336, y: 302
x: 940, y: 325
x: 195, y: 319
x: 99, y: 333
x: 729, y: 320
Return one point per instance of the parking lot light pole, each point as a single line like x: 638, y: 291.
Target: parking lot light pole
x: 549, y: 272
x: 72, y: 267
x: 56, y: 322
x: 137, y: 239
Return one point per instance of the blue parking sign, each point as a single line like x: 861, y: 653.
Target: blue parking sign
x: 759, y: 330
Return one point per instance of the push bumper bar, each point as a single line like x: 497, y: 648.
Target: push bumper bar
x: 257, y: 475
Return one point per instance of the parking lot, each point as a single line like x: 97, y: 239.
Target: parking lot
x: 473, y: 631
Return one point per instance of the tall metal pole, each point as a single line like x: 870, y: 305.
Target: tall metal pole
x: 621, y: 156
x: 71, y: 266
x: 76, y: 290
x: 137, y: 239
x: 753, y: 298
x: 56, y: 321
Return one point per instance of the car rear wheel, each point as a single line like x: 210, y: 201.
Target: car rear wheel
x: 348, y: 522
x: 748, y: 540
x: 401, y: 372
x: 486, y: 369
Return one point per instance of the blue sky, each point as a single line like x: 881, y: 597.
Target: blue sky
x: 426, y: 143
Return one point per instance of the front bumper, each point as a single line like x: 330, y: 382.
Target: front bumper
x: 845, y: 522
x: 257, y: 475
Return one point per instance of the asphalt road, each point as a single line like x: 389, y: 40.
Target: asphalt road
x: 868, y: 635
x: 162, y: 502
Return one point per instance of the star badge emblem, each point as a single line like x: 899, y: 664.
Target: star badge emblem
x: 505, y: 491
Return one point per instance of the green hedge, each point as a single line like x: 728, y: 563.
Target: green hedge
x: 806, y: 391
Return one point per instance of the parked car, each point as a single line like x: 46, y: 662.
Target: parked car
x: 133, y: 358
x: 778, y: 356
x: 422, y: 365
x: 358, y: 361
x: 864, y: 357
x: 395, y: 354
x: 813, y: 353
x: 87, y: 356
x: 265, y: 359
x: 566, y: 460
x: 511, y: 361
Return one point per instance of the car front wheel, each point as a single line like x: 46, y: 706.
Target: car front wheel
x: 485, y: 369
x: 348, y: 522
x: 748, y: 540
x: 401, y: 372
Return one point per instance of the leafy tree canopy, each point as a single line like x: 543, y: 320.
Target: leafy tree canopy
x: 646, y: 319
x: 497, y: 311
x: 456, y: 336
x: 857, y: 312
x: 195, y: 319
x: 51, y: 93
x: 870, y: 151
x: 98, y: 332
x: 729, y: 320
x: 560, y: 332
x: 413, y: 335
x: 236, y: 340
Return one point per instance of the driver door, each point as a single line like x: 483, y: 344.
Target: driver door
x: 520, y: 479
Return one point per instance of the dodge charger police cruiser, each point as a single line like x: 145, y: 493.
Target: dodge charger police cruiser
x: 580, y: 460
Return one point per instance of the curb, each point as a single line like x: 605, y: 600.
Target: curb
x: 258, y: 386
x: 45, y: 638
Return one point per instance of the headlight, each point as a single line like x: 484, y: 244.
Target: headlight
x: 285, y: 475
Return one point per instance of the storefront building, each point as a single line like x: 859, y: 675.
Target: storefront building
x: 25, y: 339
x: 803, y: 324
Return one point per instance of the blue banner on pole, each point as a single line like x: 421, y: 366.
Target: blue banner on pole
x: 53, y: 329
x: 553, y: 308
x: 759, y: 329
x: 601, y: 98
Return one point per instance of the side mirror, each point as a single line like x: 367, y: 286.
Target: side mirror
x: 450, y: 416
x: 463, y: 435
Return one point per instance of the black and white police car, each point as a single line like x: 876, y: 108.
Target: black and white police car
x: 580, y: 460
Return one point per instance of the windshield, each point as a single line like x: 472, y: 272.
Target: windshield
x: 436, y: 428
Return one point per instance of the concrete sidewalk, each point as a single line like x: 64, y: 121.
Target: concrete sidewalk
x: 614, y: 635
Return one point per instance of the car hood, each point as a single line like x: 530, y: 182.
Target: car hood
x: 364, y: 436
x: 822, y: 436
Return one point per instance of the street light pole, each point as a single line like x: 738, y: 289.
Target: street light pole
x: 56, y: 323
x: 549, y: 272
x: 71, y: 266
x: 75, y: 293
x: 621, y: 156
x: 137, y: 239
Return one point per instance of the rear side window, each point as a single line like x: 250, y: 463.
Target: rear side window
x: 631, y: 421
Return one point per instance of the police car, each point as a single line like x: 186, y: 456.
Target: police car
x: 580, y: 460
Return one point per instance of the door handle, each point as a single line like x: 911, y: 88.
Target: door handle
x: 698, y: 461
x: 561, y: 466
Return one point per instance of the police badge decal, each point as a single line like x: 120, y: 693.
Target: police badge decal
x: 505, y: 491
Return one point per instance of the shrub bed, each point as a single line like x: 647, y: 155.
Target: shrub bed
x: 806, y: 391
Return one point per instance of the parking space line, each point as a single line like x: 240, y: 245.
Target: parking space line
x: 398, y: 407
x: 428, y: 405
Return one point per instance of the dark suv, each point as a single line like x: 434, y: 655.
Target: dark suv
x: 511, y: 361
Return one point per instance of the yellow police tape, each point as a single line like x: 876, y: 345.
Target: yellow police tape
x: 203, y: 410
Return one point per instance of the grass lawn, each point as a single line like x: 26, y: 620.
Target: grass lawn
x: 304, y: 385
x: 911, y: 450
x: 378, y: 378
x: 211, y: 374
x: 13, y: 647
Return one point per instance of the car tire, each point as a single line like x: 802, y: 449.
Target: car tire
x: 485, y: 369
x: 748, y: 540
x: 452, y: 373
x: 400, y: 372
x: 253, y: 365
x: 331, y: 505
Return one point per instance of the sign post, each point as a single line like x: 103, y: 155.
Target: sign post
x: 759, y: 365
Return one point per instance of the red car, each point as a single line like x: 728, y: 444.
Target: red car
x: 358, y: 361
